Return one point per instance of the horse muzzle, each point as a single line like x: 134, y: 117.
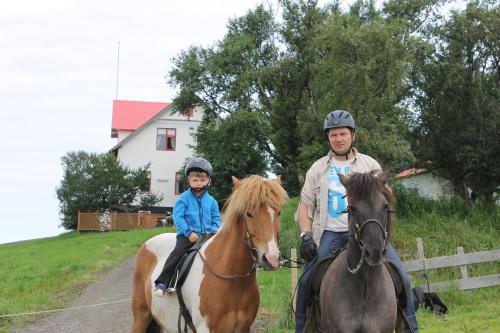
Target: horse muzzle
x: 374, y: 256
x: 269, y: 261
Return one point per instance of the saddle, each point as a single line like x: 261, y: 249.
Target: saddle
x: 312, y: 289
x: 181, y: 272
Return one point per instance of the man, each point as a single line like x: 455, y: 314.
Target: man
x: 321, y: 212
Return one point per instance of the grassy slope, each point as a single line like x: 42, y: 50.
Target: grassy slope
x: 44, y: 274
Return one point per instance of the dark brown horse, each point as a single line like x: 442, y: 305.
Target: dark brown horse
x: 357, y: 293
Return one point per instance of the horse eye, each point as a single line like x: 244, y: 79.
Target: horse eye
x: 279, y: 213
x: 249, y: 215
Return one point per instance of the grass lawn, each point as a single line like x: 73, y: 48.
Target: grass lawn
x: 44, y: 274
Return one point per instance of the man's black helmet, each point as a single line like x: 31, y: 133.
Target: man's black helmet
x: 199, y: 164
x: 339, y: 118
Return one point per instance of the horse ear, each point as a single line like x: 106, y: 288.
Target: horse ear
x: 343, y: 179
x: 236, y: 181
x: 278, y: 179
x: 381, y: 175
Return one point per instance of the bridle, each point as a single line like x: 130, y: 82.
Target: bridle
x: 357, y: 237
x: 252, y: 251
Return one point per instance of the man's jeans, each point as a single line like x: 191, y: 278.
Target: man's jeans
x: 331, y: 241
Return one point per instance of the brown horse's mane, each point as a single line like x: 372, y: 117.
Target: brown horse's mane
x: 369, y: 186
x: 250, y: 194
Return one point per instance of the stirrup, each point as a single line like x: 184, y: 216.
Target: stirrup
x: 159, y: 291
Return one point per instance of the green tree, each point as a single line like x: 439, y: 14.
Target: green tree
x: 252, y: 70
x: 456, y: 95
x: 362, y: 66
x: 233, y: 148
x: 98, y: 182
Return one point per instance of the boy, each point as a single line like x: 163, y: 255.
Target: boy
x: 195, y: 213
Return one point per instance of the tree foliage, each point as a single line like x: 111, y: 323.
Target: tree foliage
x: 98, y: 182
x: 400, y: 68
x: 457, y: 96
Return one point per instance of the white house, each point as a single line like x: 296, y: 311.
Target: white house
x: 427, y: 183
x: 148, y: 132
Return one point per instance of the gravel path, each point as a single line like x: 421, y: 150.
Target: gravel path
x: 114, y: 286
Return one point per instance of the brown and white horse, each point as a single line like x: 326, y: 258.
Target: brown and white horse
x: 221, y: 290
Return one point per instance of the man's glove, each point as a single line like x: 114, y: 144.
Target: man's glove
x: 308, y: 248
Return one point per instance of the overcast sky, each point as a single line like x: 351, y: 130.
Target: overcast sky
x: 58, y: 63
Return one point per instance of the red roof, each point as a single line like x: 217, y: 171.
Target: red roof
x: 130, y: 115
x: 411, y: 172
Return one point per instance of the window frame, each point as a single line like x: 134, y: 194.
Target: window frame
x: 149, y: 184
x: 178, y: 183
x: 166, y: 136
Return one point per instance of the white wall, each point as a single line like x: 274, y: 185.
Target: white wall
x: 429, y: 185
x: 141, y: 149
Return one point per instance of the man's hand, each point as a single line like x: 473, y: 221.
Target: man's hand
x: 308, y: 248
x: 193, y: 237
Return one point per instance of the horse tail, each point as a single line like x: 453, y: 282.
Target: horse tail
x: 143, y: 321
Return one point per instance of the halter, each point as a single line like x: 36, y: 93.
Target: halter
x: 251, y: 249
x: 359, y: 242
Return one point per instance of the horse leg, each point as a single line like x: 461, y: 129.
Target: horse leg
x: 399, y: 324
x: 140, y: 308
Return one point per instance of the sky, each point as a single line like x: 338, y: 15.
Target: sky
x: 58, y: 79
x: 58, y: 70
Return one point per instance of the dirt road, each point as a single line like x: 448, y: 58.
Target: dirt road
x: 116, y: 285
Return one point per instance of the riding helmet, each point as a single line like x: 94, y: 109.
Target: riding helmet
x: 339, y: 118
x: 199, y: 164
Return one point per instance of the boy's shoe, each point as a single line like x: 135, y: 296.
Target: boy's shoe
x: 160, y: 290
x: 171, y: 290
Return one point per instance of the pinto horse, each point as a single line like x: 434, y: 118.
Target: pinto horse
x: 357, y: 293
x: 221, y: 290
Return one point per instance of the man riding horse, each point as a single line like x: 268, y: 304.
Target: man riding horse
x: 322, y: 214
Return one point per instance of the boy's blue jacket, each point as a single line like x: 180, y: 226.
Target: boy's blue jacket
x: 198, y: 214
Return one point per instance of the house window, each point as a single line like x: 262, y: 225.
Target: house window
x: 189, y: 112
x: 178, y: 183
x: 146, y: 187
x: 165, y: 139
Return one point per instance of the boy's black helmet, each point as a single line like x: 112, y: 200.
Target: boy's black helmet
x: 199, y: 164
x: 339, y: 118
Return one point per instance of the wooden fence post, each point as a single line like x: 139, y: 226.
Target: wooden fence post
x: 293, y: 262
x: 463, y: 268
x: 78, y: 222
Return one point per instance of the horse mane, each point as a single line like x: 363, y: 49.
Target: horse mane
x: 250, y: 194
x: 368, y: 186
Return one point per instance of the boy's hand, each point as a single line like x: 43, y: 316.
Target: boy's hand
x: 193, y: 237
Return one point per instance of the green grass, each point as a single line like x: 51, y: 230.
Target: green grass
x: 44, y: 274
